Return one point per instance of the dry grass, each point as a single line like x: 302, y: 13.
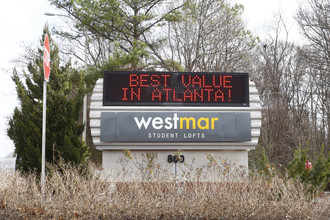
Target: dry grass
x: 72, y: 196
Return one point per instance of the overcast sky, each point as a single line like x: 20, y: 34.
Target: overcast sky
x: 22, y: 22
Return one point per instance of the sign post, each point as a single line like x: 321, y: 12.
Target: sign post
x: 46, y: 61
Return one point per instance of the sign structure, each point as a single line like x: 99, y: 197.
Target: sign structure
x: 198, y: 113
x: 161, y: 110
x: 175, y: 89
x: 46, y: 59
x: 175, y: 126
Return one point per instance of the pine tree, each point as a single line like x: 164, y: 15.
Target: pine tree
x: 263, y: 165
x: 318, y: 175
x: 297, y: 166
x: 129, y: 27
x: 64, y: 101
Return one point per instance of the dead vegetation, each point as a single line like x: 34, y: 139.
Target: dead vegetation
x: 70, y: 195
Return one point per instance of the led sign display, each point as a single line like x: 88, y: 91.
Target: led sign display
x: 175, y: 89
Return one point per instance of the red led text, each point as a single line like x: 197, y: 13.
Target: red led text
x: 192, y: 88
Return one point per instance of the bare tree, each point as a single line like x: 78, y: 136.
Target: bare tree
x: 294, y: 85
x: 314, y: 21
x: 282, y: 78
x: 210, y: 37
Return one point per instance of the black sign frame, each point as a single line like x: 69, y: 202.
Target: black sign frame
x: 109, y: 74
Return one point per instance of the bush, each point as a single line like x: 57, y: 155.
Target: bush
x: 296, y: 167
x: 70, y: 195
x: 65, y: 91
x: 317, y: 177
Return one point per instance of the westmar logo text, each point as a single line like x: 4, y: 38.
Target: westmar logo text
x: 187, y: 127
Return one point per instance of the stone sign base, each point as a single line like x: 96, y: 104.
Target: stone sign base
x: 169, y: 165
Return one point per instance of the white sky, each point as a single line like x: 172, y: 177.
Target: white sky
x: 259, y: 15
x: 22, y: 21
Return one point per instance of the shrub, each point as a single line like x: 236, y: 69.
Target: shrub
x: 64, y: 102
x: 316, y: 177
x: 296, y: 167
x: 70, y: 195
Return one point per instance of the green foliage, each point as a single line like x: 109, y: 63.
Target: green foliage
x: 120, y: 60
x: 317, y: 177
x: 128, y: 60
x: 64, y: 101
x: 296, y: 167
x: 263, y: 165
x: 129, y: 25
x: 320, y: 172
x: 263, y: 161
x: 260, y: 164
x: 173, y: 65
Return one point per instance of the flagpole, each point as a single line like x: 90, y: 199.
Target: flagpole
x: 46, y: 63
x: 43, y: 142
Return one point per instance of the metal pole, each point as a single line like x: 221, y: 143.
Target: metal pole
x: 85, y: 97
x: 43, y: 143
x: 175, y: 170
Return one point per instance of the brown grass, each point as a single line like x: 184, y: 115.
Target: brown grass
x: 72, y: 196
